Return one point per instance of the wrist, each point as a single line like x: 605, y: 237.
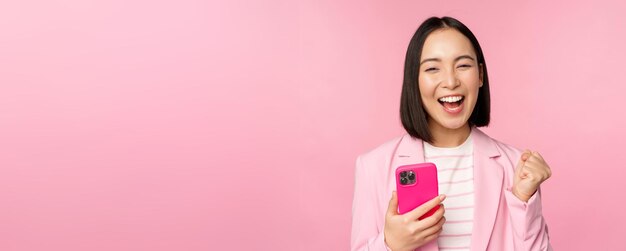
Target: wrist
x: 387, y: 246
x: 386, y: 241
x: 521, y: 196
x: 391, y: 246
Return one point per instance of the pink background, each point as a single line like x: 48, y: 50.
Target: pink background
x: 194, y: 125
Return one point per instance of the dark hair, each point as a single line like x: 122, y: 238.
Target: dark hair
x: 412, y: 114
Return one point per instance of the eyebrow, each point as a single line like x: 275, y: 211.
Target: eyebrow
x: 439, y: 60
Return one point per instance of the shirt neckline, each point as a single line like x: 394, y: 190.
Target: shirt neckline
x: 462, y: 146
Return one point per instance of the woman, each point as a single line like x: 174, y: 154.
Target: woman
x: 490, y: 193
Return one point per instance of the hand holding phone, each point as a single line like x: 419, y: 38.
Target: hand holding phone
x: 405, y: 231
x: 415, y: 214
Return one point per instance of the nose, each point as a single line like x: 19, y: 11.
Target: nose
x: 451, y: 81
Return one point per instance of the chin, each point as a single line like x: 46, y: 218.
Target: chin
x: 453, y: 124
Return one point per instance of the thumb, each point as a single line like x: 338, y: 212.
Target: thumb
x: 520, y: 164
x: 525, y: 155
x: 393, y: 204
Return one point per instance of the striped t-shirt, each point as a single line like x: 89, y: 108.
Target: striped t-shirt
x: 455, y: 170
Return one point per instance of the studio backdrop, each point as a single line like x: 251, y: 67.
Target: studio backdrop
x: 235, y: 125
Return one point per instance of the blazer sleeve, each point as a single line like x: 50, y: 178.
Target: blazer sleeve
x: 366, y: 235
x: 529, y: 226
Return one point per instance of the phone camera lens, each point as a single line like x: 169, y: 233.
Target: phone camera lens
x: 404, y: 181
x: 411, y: 175
x: 403, y: 174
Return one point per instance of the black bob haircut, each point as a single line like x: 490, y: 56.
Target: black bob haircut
x: 412, y: 113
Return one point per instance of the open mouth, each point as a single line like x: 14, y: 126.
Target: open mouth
x: 451, y: 103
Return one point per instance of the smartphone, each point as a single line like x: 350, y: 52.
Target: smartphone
x: 416, y: 184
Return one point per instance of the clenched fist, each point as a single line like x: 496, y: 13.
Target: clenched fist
x: 530, y: 172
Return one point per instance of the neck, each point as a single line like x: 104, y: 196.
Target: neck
x: 446, y: 137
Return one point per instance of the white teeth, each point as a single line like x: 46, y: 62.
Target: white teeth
x: 451, y: 99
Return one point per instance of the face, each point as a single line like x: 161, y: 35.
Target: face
x: 449, y: 78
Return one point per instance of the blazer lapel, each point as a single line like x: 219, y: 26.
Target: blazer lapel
x: 488, y: 179
x: 409, y: 151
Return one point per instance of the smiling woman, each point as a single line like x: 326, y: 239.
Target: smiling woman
x: 491, y: 190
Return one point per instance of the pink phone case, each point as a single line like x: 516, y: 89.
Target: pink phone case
x: 414, y: 191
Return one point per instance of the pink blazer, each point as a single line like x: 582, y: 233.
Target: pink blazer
x: 501, y: 220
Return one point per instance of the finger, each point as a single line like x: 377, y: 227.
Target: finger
x: 434, y: 228
x: 533, y: 164
x: 536, y: 159
x: 527, y: 153
x: 520, y: 164
x: 537, y: 170
x: 424, y: 208
x: 392, y: 209
x: 433, y: 236
x: 536, y: 154
x: 433, y: 219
